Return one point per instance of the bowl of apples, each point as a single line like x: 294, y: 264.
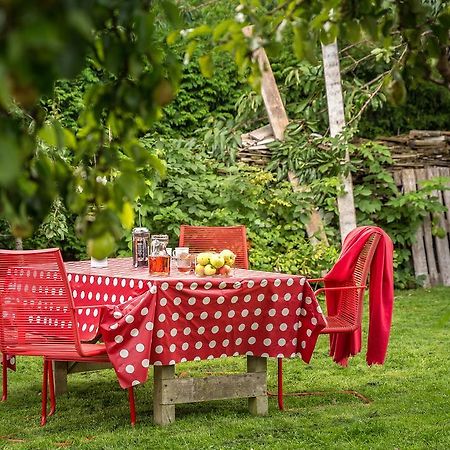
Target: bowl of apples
x: 213, y: 264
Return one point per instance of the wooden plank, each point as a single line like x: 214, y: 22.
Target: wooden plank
x: 278, y: 118
x: 163, y: 414
x: 441, y: 244
x: 191, y: 390
x: 418, y: 247
x: 87, y: 366
x: 258, y: 405
x: 428, y: 238
x: 445, y: 172
x: 261, y: 133
x: 397, y: 176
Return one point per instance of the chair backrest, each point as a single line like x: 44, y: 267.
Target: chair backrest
x: 350, y: 306
x: 36, y: 306
x: 201, y: 239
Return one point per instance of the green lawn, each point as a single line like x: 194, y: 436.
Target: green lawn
x: 409, y: 408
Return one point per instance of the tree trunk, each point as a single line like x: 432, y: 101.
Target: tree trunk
x: 346, y: 205
x: 19, y: 244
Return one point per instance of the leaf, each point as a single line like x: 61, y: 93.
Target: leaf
x: 172, y: 12
x: 206, y: 65
x: 48, y: 135
x: 158, y: 165
x: 127, y: 215
x: 9, y: 158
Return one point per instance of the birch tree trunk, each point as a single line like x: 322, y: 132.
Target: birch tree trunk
x: 19, y: 244
x: 346, y: 205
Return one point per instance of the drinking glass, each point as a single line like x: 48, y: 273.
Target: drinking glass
x: 183, y: 259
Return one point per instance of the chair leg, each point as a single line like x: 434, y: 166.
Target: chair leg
x: 132, y: 406
x: 44, y: 394
x: 280, y: 384
x: 4, y: 377
x: 51, y: 382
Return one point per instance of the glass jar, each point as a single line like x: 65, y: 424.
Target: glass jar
x: 159, y: 259
x: 140, y: 238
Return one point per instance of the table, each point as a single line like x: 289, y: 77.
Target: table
x: 162, y: 321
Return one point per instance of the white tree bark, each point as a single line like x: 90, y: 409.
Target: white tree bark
x: 19, y: 244
x: 346, y: 205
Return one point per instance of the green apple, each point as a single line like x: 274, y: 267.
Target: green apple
x: 228, y: 256
x: 209, y: 269
x: 199, y: 270
x: 101, y: 246
x: 203, y: 258
x: 217, y: 260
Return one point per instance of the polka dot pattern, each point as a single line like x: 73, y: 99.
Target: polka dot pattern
x: 166, y: 320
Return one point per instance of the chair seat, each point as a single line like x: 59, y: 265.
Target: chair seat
x: 63, y: 351
x: 336, y: 324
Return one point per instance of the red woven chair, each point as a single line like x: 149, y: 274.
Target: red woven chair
x: 201, y: 239
x: 37, y: 317
x: 349, y: 315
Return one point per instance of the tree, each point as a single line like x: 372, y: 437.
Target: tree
x: 95, y: 170
x: 417, y: 30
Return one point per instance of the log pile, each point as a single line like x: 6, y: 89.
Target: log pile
x: 416, y: 149
x: 419, y: 148
x: 254, y: 148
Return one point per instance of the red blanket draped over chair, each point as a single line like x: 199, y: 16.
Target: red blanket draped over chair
x: 381, y: 296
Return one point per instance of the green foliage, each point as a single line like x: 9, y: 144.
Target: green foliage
x: 199, y: 190
x: 318, y: 164
x: 136, y: 75
x: 425, y: 109
x: 80, y: 84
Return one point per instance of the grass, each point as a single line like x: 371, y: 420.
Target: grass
x: 409, y: 407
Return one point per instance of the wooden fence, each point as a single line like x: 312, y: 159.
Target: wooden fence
x: 418, y: 156
x: 431, y: 254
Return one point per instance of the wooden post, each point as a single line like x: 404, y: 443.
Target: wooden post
x: 258, y: 406
x: 163, y: 413
x: 428, y: 237
x: 346, y: 205
x: 60, y: 369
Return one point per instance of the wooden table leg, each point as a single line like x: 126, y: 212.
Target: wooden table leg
x: 259, y: 405
x: 170, y: 391
x: 163, y: 413
x: 60, y: 369
x: 63, y: 368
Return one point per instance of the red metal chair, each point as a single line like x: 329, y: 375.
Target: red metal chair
x: 349, y: 315
x: 201, y: 239
x: 37, y: 317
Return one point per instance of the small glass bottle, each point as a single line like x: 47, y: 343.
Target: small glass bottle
x: 140, y: 238
x: 159, y: 259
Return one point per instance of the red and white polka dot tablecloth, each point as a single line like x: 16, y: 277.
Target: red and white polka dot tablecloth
x: 166, y: 320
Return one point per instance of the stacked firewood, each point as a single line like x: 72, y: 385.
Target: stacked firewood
x: 254, y: 148
x: 418, y: 148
